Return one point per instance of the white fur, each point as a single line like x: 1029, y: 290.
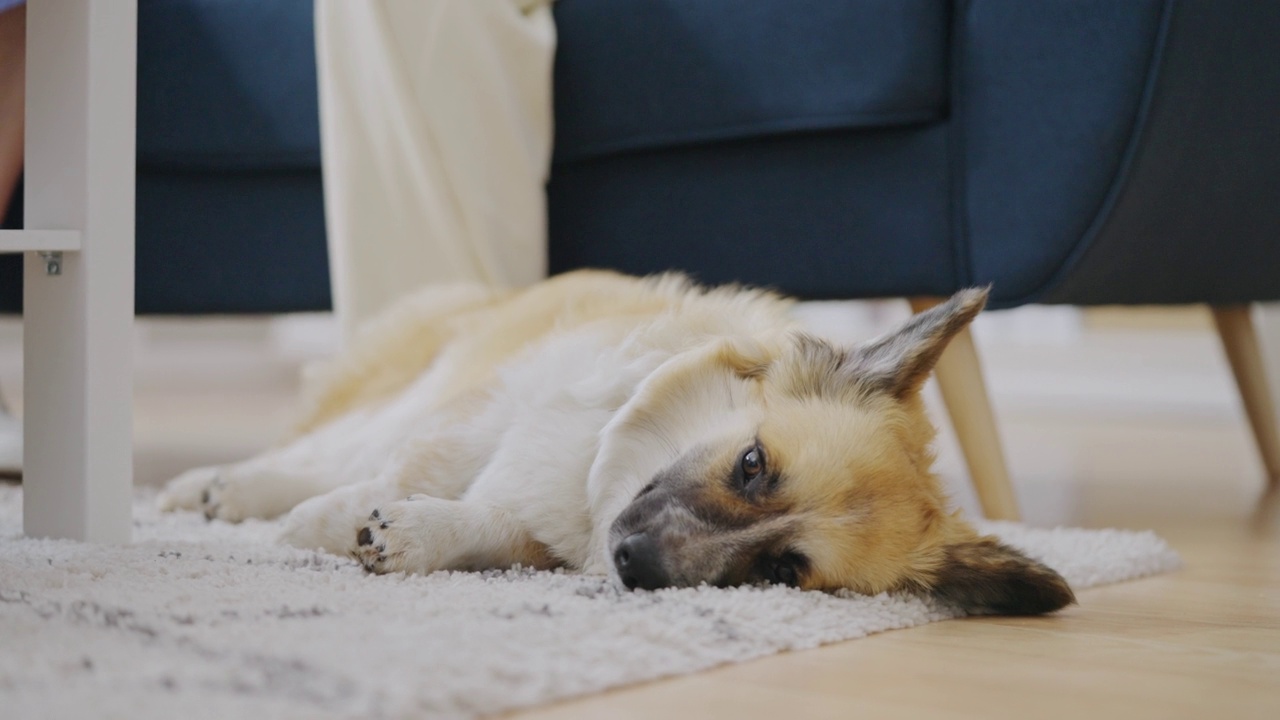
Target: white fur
x: 550, y: 454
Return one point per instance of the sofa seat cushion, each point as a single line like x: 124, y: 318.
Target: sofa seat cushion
x: 227, y: 84
x: 636, y: 74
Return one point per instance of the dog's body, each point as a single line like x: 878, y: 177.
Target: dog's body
x: 648, y: 428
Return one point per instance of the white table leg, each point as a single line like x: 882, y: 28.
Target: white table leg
x: 78, y: 334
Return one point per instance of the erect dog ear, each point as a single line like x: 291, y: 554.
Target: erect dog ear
x: 985, y: 577
x: 899, y: 362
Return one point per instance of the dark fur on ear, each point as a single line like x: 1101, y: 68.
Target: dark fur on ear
x: 898, y: 363
x: 985, y: 577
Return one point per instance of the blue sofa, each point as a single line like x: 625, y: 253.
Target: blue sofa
x: 1067, y: 151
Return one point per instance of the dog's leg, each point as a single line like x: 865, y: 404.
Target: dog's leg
x: 264, y: 487
x: 358, y: 448
x: 330, y: 522
x: 338, y: 419
x: 271, y: 484
x: 423, y: 534
x: 440, y: 463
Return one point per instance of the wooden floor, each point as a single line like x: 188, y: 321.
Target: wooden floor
x: 1115, y: 431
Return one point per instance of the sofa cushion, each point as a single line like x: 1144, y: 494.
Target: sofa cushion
x: 227, y: 84
x: 634, y: 74
x: 843, y: 213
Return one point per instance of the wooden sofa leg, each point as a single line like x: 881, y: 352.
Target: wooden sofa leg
x: 964, y: 391
x: 1240, y: 341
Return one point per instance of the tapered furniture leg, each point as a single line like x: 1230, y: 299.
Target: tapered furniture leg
x: 964, y: 391
x: 1240, y: 341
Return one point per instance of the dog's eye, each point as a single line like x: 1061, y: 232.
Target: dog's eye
x: 784, y: 572
x: 752, y: 465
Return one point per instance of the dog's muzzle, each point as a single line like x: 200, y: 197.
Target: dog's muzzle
x: 639, y: 563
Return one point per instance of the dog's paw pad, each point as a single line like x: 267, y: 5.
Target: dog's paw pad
x: 395, y: 539
x: 211, y: 498
x: 371, y: 547
x: 188, y: 491
x: 229, y: 500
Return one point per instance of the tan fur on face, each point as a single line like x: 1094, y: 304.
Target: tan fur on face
x: 858, y: 480
x: 855, y: 496
x: 849, y: 451
x: 856, y: 487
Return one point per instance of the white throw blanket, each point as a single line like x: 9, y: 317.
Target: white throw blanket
x: 199, y: 620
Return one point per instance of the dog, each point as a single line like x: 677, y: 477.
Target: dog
x: 645, y: 428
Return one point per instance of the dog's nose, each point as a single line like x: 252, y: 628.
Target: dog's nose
x: 639, y: 564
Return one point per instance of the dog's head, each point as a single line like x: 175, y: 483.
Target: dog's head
x: 801, y: 463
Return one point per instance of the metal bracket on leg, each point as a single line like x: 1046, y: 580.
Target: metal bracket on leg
x: 52, y: 261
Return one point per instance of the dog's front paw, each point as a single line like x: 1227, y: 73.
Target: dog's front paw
x: 396, y: 538
x: 188, y: 491
x: 212, y: 492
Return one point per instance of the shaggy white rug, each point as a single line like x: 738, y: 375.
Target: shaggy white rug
x: 212, y: 620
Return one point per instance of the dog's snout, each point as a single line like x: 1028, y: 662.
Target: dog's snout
x: 639, y: 563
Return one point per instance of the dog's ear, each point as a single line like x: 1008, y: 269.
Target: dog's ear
x: 899, y: 362
x: 984, y: 577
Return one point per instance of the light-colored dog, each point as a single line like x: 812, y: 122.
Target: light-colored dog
x: 648, y: 428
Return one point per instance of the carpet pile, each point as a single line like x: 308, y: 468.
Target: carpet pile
x: 198, y: 619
